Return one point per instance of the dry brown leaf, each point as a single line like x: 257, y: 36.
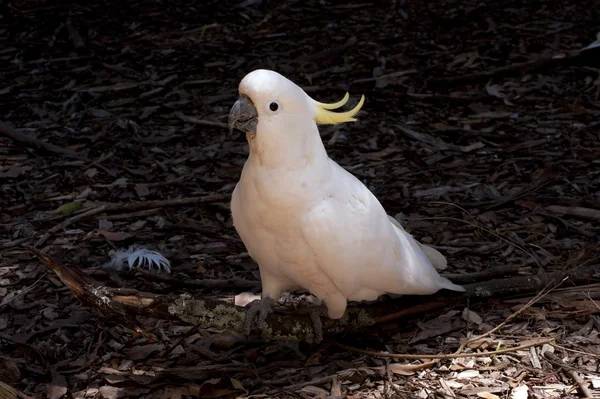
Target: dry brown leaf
x: 244, y: 298
x: 226, y: 339
x: 9, y: 372
x: 140, y: 352
x: 520, y: 392
x: 471, y: 317
x: 218, y: 387
x: 405, y: 369
x: 487, y: 395
x: 57, y: 387
x: 115, y: 235
x: 313, y: 360
x: 14, y: 171
x: 110, y: 392
x: 466, y: 374
x: 336, y: 387
x: 438, y: 326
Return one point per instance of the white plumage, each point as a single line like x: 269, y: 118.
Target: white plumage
x: 305, y: 220
x: 138, y: 258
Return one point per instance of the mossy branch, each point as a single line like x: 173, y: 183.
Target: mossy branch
x: 125, y: 305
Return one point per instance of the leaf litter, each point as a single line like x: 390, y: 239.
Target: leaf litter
x: 481, y: 130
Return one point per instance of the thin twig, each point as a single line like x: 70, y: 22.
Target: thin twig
x: 564, y: 348
x: 11, y: 133
x: 448, y: 356
x: 138, y: 205
x: 124, y: 216
x: 581, y: 384
x: 69, y: 222
x: 197, y: 283
x: 576, y: 211
x: 536, y: 298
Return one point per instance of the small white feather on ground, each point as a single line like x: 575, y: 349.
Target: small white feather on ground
x: 140, y: 258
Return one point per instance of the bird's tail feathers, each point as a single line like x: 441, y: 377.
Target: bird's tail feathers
x: 449, y: 285
x: 437, y: 260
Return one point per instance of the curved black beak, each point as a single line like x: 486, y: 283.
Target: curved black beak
x: 243, y: 116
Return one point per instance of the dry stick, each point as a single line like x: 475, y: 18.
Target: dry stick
x: 92, y: 295
x: 69, y: 222
x: 11, y: 133
x: 564, y: 348
x: 488, y: 274
x: 449, y: 356
x: 124, y: 216
x: 583, y: 386
x: 536, y: 298
x: 129, y: 207
x: 139, y: 205
x: 577, y: 211
x: 197, y: 283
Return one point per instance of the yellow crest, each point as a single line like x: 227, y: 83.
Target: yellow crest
x: 326, y: 116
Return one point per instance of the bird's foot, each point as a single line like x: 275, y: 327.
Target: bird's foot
x: 315, y: 313
x: 262, y: 307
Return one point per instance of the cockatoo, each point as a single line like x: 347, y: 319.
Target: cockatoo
x: 306, y: 221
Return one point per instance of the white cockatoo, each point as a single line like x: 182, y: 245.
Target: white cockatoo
x: 306, y: 221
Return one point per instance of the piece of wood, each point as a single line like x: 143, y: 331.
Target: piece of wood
x: 123, y: 306
x: 7, y: 392
x: 581, y: 384
x: 577, y: 211
x: 11, y: 133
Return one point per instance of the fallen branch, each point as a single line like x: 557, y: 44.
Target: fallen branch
x: 484, y: 275
x: 405, y: 356
x: 93, y: 294
x: 11, y: 133
x: 577, y: 211
x: 565, y: 58
x: 64, y: 224
x: 124, y: 306
x: 204, y: 283
x: 137, y: 205
x: 581, y: 384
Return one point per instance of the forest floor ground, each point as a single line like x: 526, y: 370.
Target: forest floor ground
x: 480, y: 133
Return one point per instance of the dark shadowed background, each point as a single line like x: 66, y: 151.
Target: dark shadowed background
x: 480, y: 131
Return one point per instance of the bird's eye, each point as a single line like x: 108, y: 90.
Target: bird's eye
x: 273, y: 106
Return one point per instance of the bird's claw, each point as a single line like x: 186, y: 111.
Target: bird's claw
x: 262, y: 307
x: 315, y: 313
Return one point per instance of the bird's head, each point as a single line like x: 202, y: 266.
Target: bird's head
x: 268, y: 99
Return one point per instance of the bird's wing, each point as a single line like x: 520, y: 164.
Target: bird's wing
x: 360, y: 249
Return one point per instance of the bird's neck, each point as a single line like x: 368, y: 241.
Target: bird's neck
x: 297, y: 147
